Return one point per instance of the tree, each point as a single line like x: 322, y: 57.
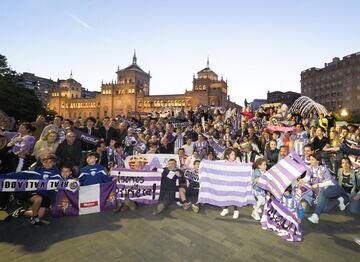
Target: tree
x: 16, y: 100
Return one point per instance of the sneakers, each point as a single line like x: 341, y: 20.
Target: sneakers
x: 195, y: 208
x: 159, y: 208
x: 314, y: 218
x: 35, y: 221
x: 224, y: 212
x: 130, y: 203
x: 236, y: 214
x: 255, y: 215
x: 342, y: 204
x: 357, y: 240
x: 18, y: 212
x: 187, y: 205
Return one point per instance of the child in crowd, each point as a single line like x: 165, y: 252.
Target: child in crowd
x: 93, y: 173
x: 259, y: 168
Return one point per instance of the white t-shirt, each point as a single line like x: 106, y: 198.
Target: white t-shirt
x: 189, y: 149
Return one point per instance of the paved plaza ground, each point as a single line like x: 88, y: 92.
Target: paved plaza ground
x: 176, y: 235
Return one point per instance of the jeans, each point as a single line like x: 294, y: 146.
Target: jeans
x: 324, y: 200
x: 355, y: 206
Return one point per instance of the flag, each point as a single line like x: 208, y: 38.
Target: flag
x: 281, y: 220
x: 138, y: 185
x: 225, y: 184
x: 281, y: 175
x: 89, y: 199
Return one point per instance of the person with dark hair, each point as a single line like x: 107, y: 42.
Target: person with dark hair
x: 103, y: 158
x: 171, y: 179
x: 319, y: 141
x: 271, y: 154
x: 90, y: 130
x: 259, y: 168
x: 347, y: 177
x: 67, y: 125
x: 230, y: 156
x: 307, y: 152
x: 106, y: 132
x: 93, y: 173
x: 326, y: 188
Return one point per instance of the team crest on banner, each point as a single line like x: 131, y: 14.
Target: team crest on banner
x: 151, y: 160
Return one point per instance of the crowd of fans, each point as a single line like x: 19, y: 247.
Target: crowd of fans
x: 262, y: 138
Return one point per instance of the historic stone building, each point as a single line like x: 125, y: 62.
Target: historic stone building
x: 131, y: 92
x: 336, y: 85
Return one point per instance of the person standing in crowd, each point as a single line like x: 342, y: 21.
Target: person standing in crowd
x: 326, y: 188
x: 259, y: 168
x: 90, y: 130
x: 165, y: 146
x: 106, y: 132
x: 230, y: 156
x: 171, y: 178
x: 57, y: 127
x: 103, y: 158
x: 249, y: 155
x: 271, y: 154
x: 283, y: 152
x: 69, y: 152
x: 39, y: 125
x: 189, y: 146
x: 50, y: 140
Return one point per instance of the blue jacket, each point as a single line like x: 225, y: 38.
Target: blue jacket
x: 93, y: 174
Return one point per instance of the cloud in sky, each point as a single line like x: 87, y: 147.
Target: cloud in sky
x: 79, y: 21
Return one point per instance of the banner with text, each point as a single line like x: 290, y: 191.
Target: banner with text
x: 138, y: 185
x: 281, y: 220
x: 19, y: 185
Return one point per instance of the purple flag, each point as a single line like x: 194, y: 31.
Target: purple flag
x: 281, y: 175
x: 281, y: 220
x: 89, y: 199
x: 225, y: 184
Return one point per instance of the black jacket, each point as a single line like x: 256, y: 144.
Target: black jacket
x: 69, y: 154
x: 107, y: 135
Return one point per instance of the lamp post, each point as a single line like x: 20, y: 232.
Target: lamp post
x: 344, y: 113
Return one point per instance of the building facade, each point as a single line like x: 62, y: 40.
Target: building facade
x: 131, y: 92
x: 287, y: 98
x: 336, y: 85
x: 42, y: 87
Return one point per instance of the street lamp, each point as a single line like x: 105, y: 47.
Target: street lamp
x: 344, y: 113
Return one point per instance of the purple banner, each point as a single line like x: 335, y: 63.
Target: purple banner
x: 89, y: 199
x: 85, y: 137
x: 281, y: 220
x: 138, y: 185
